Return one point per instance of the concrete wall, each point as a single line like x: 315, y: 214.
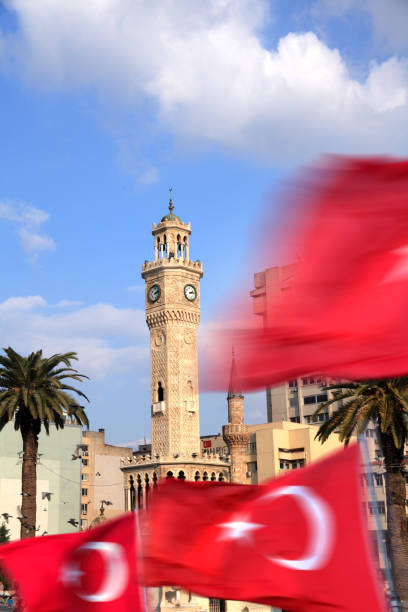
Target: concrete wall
x: 56, y: 473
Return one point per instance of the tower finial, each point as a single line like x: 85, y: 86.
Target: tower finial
x: 171, y: 207
x: 232, y: 390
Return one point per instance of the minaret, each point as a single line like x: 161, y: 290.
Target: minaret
x: 173, y: 315
x: 236, y: 434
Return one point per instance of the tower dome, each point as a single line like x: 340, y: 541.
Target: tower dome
x: 171, y: 216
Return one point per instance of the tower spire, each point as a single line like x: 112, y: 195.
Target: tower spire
x: 232, y: 388
x: 171, y: 207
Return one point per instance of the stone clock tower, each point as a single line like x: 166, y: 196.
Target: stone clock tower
x: 172, y: 315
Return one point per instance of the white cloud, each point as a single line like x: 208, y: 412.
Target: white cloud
x: 22, y: 303
x: 207, y: 75
x: 135, y: 288
x: 28, y: 221
x: 68, y: 303
x: 108, y: 340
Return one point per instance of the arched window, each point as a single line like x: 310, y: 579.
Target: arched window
x: 147, y: 489
x: 139, y: 492
x: 165, y: 244
x: 169, y: 475
x: 205, y: 476
x: 160, y: 393
x: 132, y: 493
x: 178, y: 245
x: 197, y: 476
x: 213, y: 476
x: 221, y: 477
x: 181, y: 475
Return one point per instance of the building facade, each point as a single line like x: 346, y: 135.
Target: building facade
x: 58, y: 480
x: 102, y: 494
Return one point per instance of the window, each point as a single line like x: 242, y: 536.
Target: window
x: 84, y: 492
x: 315, y: 399
x: 309, y: 399
x: 293, y: 402
x: 84, y: 461
x: 160, y: 392
x: 380, y: 507
x: 84, y: 523
x: 252, y: 467
x: 292, y: 383
x: 295, y: 419
x: 84, y: 508
x: 291, y: 465
x: 378, y: 480
x: 251, y: 448
x: 84, y: 477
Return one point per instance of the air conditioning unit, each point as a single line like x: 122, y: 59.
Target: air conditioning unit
x: 249, y: 474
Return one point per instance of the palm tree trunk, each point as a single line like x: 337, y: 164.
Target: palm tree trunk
x: 29, y: 433
x: 397, y: 524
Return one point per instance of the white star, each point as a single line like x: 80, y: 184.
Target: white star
x: 238, y: 528
x: 71, y: 574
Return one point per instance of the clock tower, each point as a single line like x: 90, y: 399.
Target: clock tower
x: 172, y: 300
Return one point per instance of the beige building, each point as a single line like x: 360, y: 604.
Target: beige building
x: 102, y: 481
x: 274, y: 448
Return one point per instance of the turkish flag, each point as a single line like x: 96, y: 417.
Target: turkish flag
x: 298, y: 542
x: 344, y: 312
x: 93, y: 570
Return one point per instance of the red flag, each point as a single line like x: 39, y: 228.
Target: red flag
x: 298, y: 542
x: 346, y: 311
x: 88, y: 571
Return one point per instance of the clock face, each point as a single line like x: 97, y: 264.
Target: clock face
x: 154, y: 293
x: 190, y: 292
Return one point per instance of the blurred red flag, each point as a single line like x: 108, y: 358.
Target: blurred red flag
x: 93, y: 570
x: 346, y: 311
x: 298, y: 542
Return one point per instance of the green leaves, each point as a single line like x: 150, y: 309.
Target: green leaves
x: 34, y: 388
x: 383, y: 401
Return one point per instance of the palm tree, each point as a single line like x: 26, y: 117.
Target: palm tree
x: 33, y: 392
x: 384, y: 402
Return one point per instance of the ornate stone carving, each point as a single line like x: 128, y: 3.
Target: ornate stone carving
x: 189, y: 336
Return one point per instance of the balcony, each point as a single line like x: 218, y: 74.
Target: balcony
x: 158, y: 408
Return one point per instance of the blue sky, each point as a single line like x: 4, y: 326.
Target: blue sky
x: 106, y: 104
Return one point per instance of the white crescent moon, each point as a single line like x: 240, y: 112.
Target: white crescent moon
x: 117, y: 572
x: 322, y: 528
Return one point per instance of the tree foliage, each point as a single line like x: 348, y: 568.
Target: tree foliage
x: 35, y: 388
x: 34, y: 392
x: 384, y: 402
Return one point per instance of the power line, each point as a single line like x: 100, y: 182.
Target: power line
x: 84, y: 482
